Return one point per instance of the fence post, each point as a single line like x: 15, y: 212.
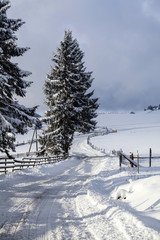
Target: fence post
x: 120, y: 160
x: 150, y: 156
x: 32, y: 140
x: 36, y: 140
x: 5, y: 169
x: 137, y: 162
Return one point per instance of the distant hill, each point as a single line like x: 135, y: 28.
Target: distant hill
x: 152, y: 108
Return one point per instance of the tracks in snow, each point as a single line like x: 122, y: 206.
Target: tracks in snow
x: 73, y: 202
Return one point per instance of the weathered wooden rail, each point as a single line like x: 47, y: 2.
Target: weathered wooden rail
x: 7, y: 164
x: 122, y: 155
x: 138, y: 158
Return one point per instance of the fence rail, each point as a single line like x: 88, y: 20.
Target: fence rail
x: 138, y: 163
x: 102, y: 131
x: 150, y: 157
x: 7, y: 164
x: 122, y: 155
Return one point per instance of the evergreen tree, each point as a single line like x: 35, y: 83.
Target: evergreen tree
x: 14, y: 118
x: 71, y: 106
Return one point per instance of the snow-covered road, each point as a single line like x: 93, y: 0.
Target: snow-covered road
x: 72, y: 200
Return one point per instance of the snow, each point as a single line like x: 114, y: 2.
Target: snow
x: 10, y: 135
x: 77, y: 198
x: 135, y: 132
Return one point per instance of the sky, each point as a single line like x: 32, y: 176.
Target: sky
x: 120, y: 39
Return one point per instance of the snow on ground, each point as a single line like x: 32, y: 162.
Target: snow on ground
x: 138, y: 131
x: 77, y: 198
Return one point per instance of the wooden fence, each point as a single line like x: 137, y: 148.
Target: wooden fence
x: 101, y: 132
x: 131, y: 161
x: 7, y: 164
x: 150, y: 157
x: 137, y: 158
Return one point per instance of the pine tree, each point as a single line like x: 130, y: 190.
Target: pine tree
x: 14, y: 118
x: 71, y: 106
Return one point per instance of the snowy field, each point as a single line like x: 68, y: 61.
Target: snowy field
x: 135, y: 132
x: 76, y: 199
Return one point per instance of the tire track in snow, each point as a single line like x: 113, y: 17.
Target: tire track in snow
x: 13, y: 223
x: 44, y: 211
x: 34, y: 220
x: 94, y: 216
x: 72, y: 225
x: 23, y: 219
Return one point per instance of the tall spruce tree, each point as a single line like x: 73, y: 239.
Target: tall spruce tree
x: 71, y: 106
x: 14, y: 118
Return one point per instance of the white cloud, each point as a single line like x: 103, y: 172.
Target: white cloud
x: 120, y: 39
x: 152, y: 8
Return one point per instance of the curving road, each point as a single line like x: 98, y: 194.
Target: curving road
x: 70, y: 200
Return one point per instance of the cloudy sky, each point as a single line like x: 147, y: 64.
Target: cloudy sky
x: 120, y: 39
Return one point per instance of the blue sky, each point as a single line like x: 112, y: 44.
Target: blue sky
x: 120, y: 39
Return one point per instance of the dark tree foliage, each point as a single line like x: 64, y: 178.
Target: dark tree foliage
x: 71, y: 107
x: 14, y: 118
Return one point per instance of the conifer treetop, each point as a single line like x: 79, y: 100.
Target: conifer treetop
x: 14, y: 117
